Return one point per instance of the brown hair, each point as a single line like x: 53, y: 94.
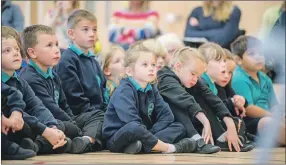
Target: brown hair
x: 9, y: 32
x: 221, y: 13
x: 30, y: 36
x: 212, y: 51
x: 184, y: 55
x: 79, y: 15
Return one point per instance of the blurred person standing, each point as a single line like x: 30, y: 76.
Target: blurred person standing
x: 12, y: 15
x: 57, y: 19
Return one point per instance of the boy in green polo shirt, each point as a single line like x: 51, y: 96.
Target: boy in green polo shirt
x: 250, y: 82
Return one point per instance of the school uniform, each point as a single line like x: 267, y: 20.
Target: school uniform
x: 140, y: 114
x: 48, y: 88
x: 84, y: 85
x: 259, y: 94
x: 227, y: 101
x: 37, y: 116
x: 187, y: 102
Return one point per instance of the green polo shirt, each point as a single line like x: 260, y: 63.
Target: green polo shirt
x: 260, y: 94
x: 209, y: 82
x: 138, y: 87
x: 46, y: 75
x: 79, y: 52
x: 5, y: 77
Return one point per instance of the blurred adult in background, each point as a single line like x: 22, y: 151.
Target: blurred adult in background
x: 12, y: 15
x: 217, y: 21
x: 57, y: 19
x: 138, y: 22
x: 270, y: 17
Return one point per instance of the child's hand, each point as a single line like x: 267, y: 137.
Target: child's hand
x: 55, y: 137
x: 239, y: 102
x: 6, y: 125
x: 16, y: 121
x: 194, y: 21
x: 207, y: 133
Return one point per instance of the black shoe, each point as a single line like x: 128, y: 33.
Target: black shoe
x: 15, y: 152
x: 204, y: 148
x: 81, y: 145
x: 133, y: 148
x: 185, y: 146
x: 244, y: 148
x: 28, y: 143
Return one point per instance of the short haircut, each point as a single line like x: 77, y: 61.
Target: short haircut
x: 30, y: 36
x: 243, y: 43
x: 212, y: 51
x: 184, y: 55
x: 8, y: 33
x: 79, y: 15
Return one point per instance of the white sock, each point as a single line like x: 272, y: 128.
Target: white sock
x: 222, y: 137
x: 196, y: 137
x: 171, y: 149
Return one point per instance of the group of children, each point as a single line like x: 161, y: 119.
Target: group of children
x: 149, y: 98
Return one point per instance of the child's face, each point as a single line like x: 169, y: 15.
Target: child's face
x: 190, y: 72
x: 116, y: 65
x: 145, y: 68
x: 11, y: 57
x: 160, y: 63
x: 230, y: 66
x: 84, y: 34
x: 215, y: 69
x: 47, y: 51
x: 252, y: 60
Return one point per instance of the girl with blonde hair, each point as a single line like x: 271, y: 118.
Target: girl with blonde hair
x: 217, y: 21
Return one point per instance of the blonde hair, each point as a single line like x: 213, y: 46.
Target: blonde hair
x: 106, y: 61
x: 155, y: 47
x: 170, y: 40
x: 133, y: 53
x: 212, y: 51
x: 228, y: 54
x: 184, y: 55
x: 221, y: 13
x: 79, y: 15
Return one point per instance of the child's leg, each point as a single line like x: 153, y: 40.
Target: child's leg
x: 130, y: 133
x: 91, y: 125
x: 26, y: 132
x: 71, y: 130
x: 172, y: 134
x: 264, y: 122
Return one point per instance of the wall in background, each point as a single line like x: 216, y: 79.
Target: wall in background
x: 252, y: 12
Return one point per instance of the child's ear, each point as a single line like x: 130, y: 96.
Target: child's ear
x: 178, y: 66
x: 237, y: 60
x: 106, y: 72
x: 31, y: 53
x: 71, y: 34
x: 129, y: 71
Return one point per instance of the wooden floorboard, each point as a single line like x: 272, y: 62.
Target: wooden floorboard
x: 278, y: 157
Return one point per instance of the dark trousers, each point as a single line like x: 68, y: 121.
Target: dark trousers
x: 132, y: 132
x: 184, y: 118
x: 218, y: 127
x: 91, y: 124
x: 70, y: 129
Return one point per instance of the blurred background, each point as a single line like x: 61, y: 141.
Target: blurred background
x: 172, y: 14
